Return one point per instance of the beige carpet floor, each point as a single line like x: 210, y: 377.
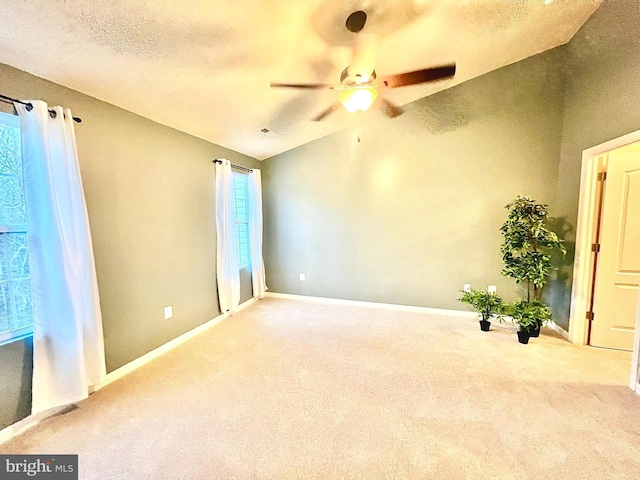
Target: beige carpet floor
x: 290, y: 389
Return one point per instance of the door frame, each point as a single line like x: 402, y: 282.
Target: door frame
x: 583, y: 265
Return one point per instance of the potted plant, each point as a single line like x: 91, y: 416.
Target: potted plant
x: 527, y: 250
x: 488, y: 305
x: 529, y: 316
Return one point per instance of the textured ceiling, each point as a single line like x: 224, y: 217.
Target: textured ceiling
x: 204, y: 66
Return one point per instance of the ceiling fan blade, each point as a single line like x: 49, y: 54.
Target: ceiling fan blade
x: 307, y: 86
x: 390, y: 109
x: 326, y: 112
x: 419, y: 76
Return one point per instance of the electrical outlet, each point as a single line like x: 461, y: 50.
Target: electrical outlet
x: 168, y: 312
x: 303, y: 277
x: 492, y: 289
x: 467, y: 287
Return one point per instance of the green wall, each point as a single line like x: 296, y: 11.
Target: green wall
x: 602, y: 102
x: 602, y: 99
x: 413, y: 211
x: 411, y: 214
x: 150, y: 197
x: 15, y: 381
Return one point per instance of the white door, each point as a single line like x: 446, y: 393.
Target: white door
x: 618, y: 268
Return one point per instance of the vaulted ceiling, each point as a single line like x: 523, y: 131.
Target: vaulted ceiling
x: 205, y: 66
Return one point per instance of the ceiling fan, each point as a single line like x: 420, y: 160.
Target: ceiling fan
x: 359, y: 82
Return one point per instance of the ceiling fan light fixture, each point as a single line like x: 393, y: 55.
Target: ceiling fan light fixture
x: 358, y: 98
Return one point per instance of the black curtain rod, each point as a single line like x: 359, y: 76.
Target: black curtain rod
x: 235, y: 166
x: 52, y: 113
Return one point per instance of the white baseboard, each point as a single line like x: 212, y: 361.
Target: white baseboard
x: 551, y: 325
x: 170, y: 345
x: 28, y: 422
x: 558, y: 329
x: 32, y: 420
x: 386, y: 306
x: 405, y: 308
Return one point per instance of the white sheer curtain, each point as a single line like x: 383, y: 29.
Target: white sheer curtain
x: 68, y: 344
x: 258, y: 279
x: 228, y: 272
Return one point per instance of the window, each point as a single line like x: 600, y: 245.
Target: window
x: 16, y: 308
x: 241, y: 195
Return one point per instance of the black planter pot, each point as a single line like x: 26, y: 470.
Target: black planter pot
x: 484, y: 325
x: 535, y: 331
x: 523, y: 336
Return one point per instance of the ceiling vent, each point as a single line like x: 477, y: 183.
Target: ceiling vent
x: 267, y: 132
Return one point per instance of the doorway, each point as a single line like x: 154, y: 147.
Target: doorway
x: 587, y: 232
x: 616, y: 269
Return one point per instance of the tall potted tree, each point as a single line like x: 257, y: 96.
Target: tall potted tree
x: 528, y: 246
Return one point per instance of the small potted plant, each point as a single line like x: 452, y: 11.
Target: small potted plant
x: 488, y: 305
x: 541, y: 313
x: 529, y: 316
